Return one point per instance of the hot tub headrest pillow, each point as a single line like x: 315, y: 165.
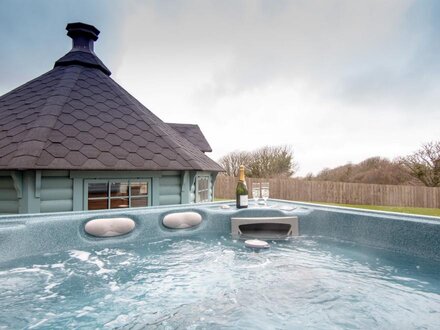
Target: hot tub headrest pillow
x: 181, y: 220
x: 109, y: 227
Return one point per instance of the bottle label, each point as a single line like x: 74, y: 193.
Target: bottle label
x: 244, y: 200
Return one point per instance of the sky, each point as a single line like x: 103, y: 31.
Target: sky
x: 337, y: 80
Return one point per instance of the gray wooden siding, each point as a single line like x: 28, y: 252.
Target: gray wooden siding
x: 170, y: 188
x: 53, y: 191
x: 8, y: 196
x: 56, y: 192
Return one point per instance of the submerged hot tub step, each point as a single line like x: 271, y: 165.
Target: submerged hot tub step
x: 265, y: 227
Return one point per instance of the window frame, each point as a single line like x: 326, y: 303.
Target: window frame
x: 197, y: 191
x: 109, y: 198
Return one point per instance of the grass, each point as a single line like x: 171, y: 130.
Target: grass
x: 222, y: 199
x: 410, y: 210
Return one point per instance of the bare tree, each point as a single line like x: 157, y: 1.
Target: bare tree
x: 424, y: 164
x: 231, y: 162
x: 272, y: 161
x: 266, y: 162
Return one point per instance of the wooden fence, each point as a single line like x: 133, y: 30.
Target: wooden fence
x: 337, y: 192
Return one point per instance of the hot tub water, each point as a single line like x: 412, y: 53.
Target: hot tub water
x: 213, y: 282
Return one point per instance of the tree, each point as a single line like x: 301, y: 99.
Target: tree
x: 272, y: 161
x: 372, y: 170
x: 231, y: 162
x: 266, y: 162
x: 424, y: 164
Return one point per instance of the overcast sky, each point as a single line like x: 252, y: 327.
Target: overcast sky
x: 339, y: 81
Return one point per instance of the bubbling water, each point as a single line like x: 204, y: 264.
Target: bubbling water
x: 219, y: 283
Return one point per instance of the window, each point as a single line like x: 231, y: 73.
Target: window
x: 113, y: 194
x: 202, y: 189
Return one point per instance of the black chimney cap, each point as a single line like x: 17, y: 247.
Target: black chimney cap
x: 82, y: 29
x: 82, y: 52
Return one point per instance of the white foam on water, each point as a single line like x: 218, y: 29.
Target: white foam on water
x: 121, y: 320
x: 48, y: 290
x: 86, y: 256
x: 114, y: 286
x: 85, y: 310
x: 25, y: 270
x: 81, y: 255
x: 125, y: 263
x: 263, y: 264
x: 160, y: 241
x: 57, y: 266
x: 100, y: 264
x: 33, y: 326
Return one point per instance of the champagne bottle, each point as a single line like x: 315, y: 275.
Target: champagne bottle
x: 241, y: 192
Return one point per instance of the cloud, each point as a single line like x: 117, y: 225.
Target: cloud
x: 339, y: 80
x: 33, y: 35
x: 332, y: 78
x: 234, y: 46
x: 404, y: 73
x: 365, y: 52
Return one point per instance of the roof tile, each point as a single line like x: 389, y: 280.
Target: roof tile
x: 95, y: 121
x: 58, y: 150
x: 125, y: 135
x: 76, y: 158
x: 139, y: 141
x: 153, y: 147
x: 161, y: 160
x: 113, y: 139
x: 69, y: 130
x: 130, y: 146
x: 119, y: 152
x: 67, y: 119
x: 119, y: 123
x: 72, y: 143
x: 82, y: 126
x: 107, y: 159
x: 98, y: 132
x: 145, y: 153
x: 90, y: 151
x: 45, y: 158
x: 135, y: 160
x: 57, y: 136
x: 102, y: 145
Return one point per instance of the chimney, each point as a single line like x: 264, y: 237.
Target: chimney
x: 83, y: 36
x: 82, y: 52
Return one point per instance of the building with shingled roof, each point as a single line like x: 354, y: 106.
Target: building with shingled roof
x: 73, y: 139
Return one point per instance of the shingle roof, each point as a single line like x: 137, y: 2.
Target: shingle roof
x: 193, y: 134
x: 76, y: 117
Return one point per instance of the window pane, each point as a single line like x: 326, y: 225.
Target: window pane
x: 203, y: 189
x: 119, y: 189
x: 139, y: 202
x: 203, y: 183
x: 98, y: 190
x: 97, y: 204
x: 139, y: 188
x: 203, y: 196
x: 118, y: 203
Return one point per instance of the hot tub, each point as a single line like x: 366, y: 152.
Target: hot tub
x: 345, y: 269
